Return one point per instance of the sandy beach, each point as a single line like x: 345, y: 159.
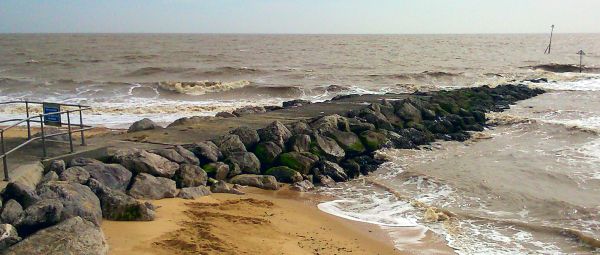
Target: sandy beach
x: 259, y: 222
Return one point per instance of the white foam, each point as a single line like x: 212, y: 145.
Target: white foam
x: 382, y: 214
x: 580, y: 85
x: 202, y: 87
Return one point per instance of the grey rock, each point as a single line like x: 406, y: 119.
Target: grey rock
x: 333, y: 170
x: 329, y: 148
x: 77, y: 200
x: 229, y: 144
x: 12, y: 213
x: 70, y: 237
x: 48, y: 177
x: 189, y: 156
x: 218, y: 170
x: 359, y: 125
x: 42, y: 214
x: 275, y: 132
x: 376, y: 118
x: 223, y: 187
x: 302, y: 162
x: 190, y: 176
x: 330, y: 123
x: 284, y: 174
x: 141, y: 161
x: 299, y: 127
x: 114, y: 176
x: 326, y: 181
x: 75, y: 174
x: 302, y: 186
x: 118, y: 206
x: 348, y: 141
x: 143, y: 124
x: 194, y: 192
x: 247, y: 162
x: 83, y: 161
x: 300, y: 143
x: 225, y: 115
x: 409, y: 112
x: 146, y: 186
x: 57, y: 166
x: 248, y: 136
x: 249, y: 110
x: 259, y: 181
x: 267, y: 152
x: 8, y: 236
x: 207, y: 152
x: 178, y: 155
x: 20, y: 192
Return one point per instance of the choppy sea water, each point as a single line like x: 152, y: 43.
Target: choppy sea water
x: 517, y: 188
x: 533, y: 175
x: 165, y: 77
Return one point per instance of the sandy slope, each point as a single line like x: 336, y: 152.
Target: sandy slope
x: 256, y: 223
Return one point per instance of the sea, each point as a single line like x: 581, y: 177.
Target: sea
x: 528, y: 184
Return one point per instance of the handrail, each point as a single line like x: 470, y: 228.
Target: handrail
x: 43, y: 136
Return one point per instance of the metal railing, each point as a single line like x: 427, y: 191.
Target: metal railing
x: 39, y: 118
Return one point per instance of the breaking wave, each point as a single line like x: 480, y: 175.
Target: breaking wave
x: 201, y: 87
x: 564, y: 68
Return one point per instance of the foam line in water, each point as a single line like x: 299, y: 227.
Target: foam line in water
x: 336, y: 208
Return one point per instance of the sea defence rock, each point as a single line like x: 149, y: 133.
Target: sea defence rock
x: 302, y: 162
x: 42, y: 214
x: 178, y: 155
x: 75, y: 174
x: 248, y: 136
x: 223, y: 187
x: 80, y: 161
x: 247, y: 162
x: 327, y: 148
x: 217, y: 170
x: 116, y: 205
x: 141, y: 161
x: 77, y: 200
x: 207, y: 152
x: 72, y: 236
x: 20, y: 192
x: 57, y: 166
x: 284, y: 174
x: 190, y: 176
x: 143, y: 124
x: 275, y: 132
x: 267, y: 152
x: 114, y: 176
x: 146, y: 186
x: 194, y: 192
x: 12, y: 212
x: 302, y: 186
x: 8, y: 236
x: 259, y: 181
x: 229, y: 144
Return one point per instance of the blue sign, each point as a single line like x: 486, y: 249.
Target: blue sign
x: 52, y: 119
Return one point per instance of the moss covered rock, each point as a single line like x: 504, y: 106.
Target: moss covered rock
x: 348, y: 141
x: 374, y: 140
x: 302, y: 162
x: 267, y: 152
x: 284, y: 174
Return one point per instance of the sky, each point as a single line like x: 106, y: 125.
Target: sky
x: 299, y: 16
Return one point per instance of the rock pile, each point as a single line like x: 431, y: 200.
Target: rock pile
x: 66, y: 208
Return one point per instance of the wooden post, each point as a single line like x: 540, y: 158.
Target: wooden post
x: 549, y: 48
x: 580, y: 53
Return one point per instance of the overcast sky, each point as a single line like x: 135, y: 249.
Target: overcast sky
x: 299, y: 16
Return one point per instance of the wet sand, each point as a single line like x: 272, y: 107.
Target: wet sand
x: 260, y: 222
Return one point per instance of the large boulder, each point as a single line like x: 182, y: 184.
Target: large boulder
x: 328, y: 148
x: 114, y: 176
x: 75, y: 174
x: 248, y: 136
x: 229, y: 144
x: 143, y: 124
x: 376, y: 118
x: 398, y: 141
x: 207, y: 152
x: 409, y: 112
x: 299, y: 127
x: 194, y: 192
x: 42, y: 214
x: 267, y: 152
x: 80, y: 161
x: 77, y: 200
x: 217, y: 170
x: 57, y: 166
x: 170, y: 154
x: 12, y: 212
x: 141, y: 161
x: 247, y: 162
x: 302, y: 186
x: 358, y: 125
x: 72, y: 236
x: 146, y: 186
x: 8, y: 236
x: 117, y: 205
x: 284, y: 174
x: 223, y: 187
x: 374, y: 140
x: 302, y: 162
x: 333, y: 170
x: 248, y: 110
x: 325, y: 181
x: 348, y: 141
x: 48, y: 177
x: 258, y: 181
x: 299, y: 143
x: 275, y: 132
x: 416, y: 137
x: 20, y: 192
x: 190, y: 176
x: 330, y: 123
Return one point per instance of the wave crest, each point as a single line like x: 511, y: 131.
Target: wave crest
x: 197, y: 88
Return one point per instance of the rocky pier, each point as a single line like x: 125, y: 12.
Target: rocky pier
x: 323, y: 144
